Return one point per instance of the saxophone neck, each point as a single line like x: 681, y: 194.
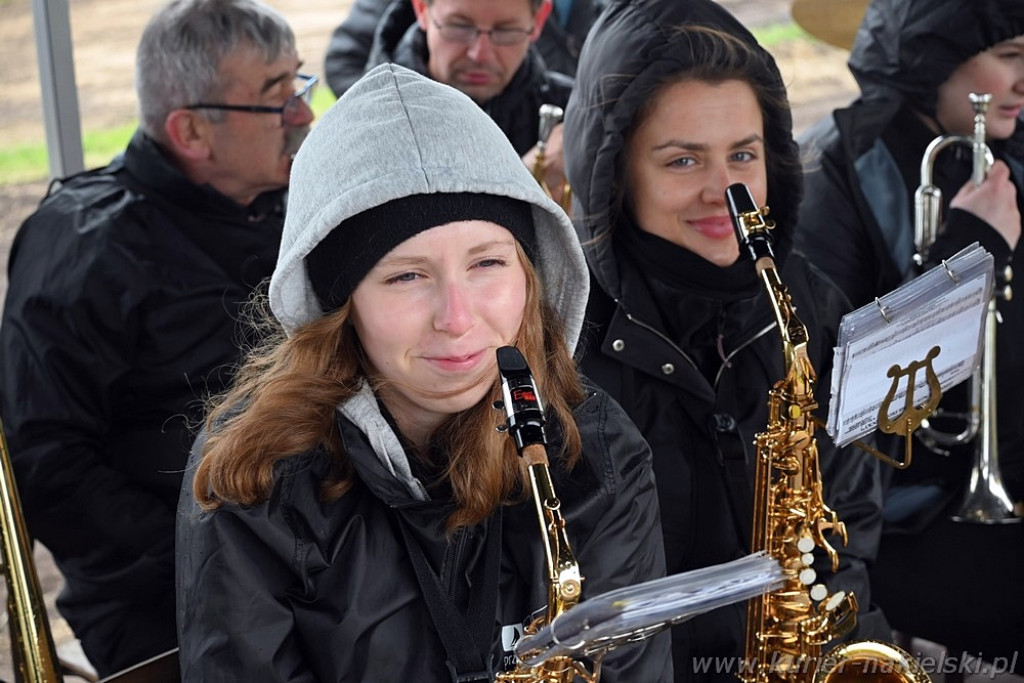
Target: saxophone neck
x: 564, y: 579
x: 525, y: 424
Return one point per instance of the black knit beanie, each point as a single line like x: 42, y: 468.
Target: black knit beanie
x: 342, y: 259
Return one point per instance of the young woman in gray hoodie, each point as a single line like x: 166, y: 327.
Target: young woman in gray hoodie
x: 351, y: 512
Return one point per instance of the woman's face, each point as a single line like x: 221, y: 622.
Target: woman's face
x: 998, y: 71
x: 431, y: 314
x: 697, y: 139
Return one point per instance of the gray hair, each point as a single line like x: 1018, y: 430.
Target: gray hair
x: 180, y: 52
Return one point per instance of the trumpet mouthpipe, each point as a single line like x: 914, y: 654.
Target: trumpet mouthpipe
x: 981, y: 164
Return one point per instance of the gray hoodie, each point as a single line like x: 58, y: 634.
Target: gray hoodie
x: 424, y: 137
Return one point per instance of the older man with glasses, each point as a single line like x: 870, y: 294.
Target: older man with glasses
x: 123, y: 310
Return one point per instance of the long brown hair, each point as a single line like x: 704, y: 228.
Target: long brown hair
x: 283, y: 402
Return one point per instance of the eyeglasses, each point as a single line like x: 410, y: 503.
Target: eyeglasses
x: 290, y: 111
x: 467, y: 34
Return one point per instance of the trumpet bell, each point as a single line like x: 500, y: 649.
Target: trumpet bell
x: 870, y: 661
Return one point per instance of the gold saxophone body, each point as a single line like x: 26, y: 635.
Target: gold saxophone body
x: 787, y: 628
x: 525, y: 424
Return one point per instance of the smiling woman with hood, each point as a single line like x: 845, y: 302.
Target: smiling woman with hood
x: 917, y: 62
x: 673, y: 102
x: 351, y: 512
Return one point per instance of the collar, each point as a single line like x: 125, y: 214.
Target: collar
x: 146, y: 161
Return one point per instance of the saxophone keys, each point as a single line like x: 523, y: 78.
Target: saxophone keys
x: 805, y: 544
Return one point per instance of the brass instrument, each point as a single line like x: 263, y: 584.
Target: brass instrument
x: 986, y: 500
x: 787, y: 628
x: 550, y: 116
x: 525, y: 414
x: 34, y: 651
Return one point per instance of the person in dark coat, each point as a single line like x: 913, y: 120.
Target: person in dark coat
x: 454, y: 42
x: 371, y: 24
x: 916, y: 62
x: 351, y: 509
x: 122, y: 311
x: 673, y: 102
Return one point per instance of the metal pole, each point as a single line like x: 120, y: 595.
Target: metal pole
x: 57, y: 80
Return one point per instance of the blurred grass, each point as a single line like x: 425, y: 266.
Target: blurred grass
x: 27, y: 162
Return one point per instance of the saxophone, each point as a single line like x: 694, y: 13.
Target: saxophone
x: 787, y: 628
x: 525, y: 424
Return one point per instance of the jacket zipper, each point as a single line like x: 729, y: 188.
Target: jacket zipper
x: 657, y: 333
x: 718, y: 376
x: 457, y: 556
x: 757, y: 335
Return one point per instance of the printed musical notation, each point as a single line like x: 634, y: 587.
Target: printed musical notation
x: 944, y: 307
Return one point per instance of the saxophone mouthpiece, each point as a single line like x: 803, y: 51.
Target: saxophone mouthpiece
x: 748, y: 222
x: 523, y: 407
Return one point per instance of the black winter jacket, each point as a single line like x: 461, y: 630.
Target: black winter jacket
x: 516, y: 109
x: 689, y: 349
x: 121, y: 313
x: 371, y: 24
x: 298, y: 626
x: 857, y: 220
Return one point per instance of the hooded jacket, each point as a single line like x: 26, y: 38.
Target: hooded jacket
x: 371, y: 24
x: 121, y: 315
x: 689, y: 349
x: 296, y: 589
x: 862, y: 170
x: 516, y: 109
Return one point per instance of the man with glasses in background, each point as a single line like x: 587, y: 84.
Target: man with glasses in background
x: 124, y: 305
x: 485, y: 48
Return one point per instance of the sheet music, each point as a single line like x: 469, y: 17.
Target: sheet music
x: 943, y: 307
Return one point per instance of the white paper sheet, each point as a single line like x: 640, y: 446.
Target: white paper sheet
x: 944, y: 307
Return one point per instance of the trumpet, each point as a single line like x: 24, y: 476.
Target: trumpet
x: 986, y: 500
x: 550, y: 116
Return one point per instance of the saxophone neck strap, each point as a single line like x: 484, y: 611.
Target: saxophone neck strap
x: 466, y: 637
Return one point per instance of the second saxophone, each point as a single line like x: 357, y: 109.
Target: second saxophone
x: 787, y: 628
